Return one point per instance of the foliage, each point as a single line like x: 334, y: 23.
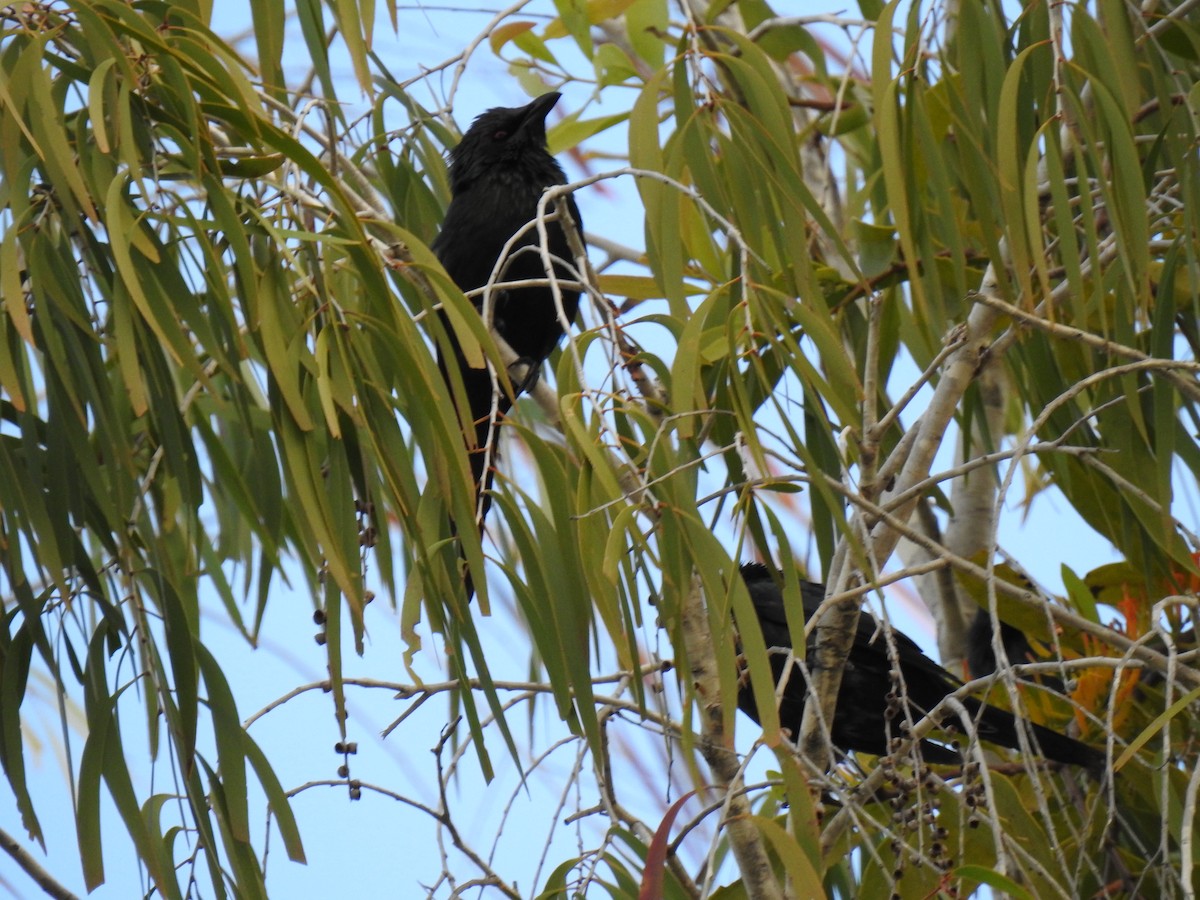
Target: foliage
x: 864, y: 239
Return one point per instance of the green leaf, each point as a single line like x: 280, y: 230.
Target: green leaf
x: 573, y: 19
x: 15, y: 655
x: 182, y: 650
x: 804, y: 878
x: 1161, y: 721
x: 277, y: 800
x: 230, y: 738
x: 573, y: 131
x: 994, y: 880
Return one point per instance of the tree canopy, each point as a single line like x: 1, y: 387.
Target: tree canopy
x: 887, y: 280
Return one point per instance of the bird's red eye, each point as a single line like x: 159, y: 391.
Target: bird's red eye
x: 500, y: 135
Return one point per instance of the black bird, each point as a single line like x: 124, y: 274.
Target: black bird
x: 981, y: 657
x: 498, y: 173
x: 868, y: 687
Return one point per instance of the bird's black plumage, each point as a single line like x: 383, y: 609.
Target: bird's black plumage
x: 981, y: 656
x: 498, y: 173
x: 861, y: 722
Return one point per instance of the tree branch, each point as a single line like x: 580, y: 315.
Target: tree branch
x: 33, y: 868
x: 744, y: 837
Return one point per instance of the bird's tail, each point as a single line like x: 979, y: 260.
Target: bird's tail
x: 482, y: 456
x: 1000, y: 727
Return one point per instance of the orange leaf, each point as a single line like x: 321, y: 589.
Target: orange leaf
x: 506, y: 33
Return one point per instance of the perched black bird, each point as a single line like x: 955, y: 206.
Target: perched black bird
x: 862, y: 717
x: 498, y: 173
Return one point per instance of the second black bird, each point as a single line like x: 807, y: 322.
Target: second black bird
x: 868, y: 687
x: 498, y: 173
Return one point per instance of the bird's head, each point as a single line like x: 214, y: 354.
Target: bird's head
x: 505, y: 143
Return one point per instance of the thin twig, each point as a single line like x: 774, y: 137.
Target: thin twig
x: 33, y: 868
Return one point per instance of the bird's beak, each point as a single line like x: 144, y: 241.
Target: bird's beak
x: 536, y: 112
